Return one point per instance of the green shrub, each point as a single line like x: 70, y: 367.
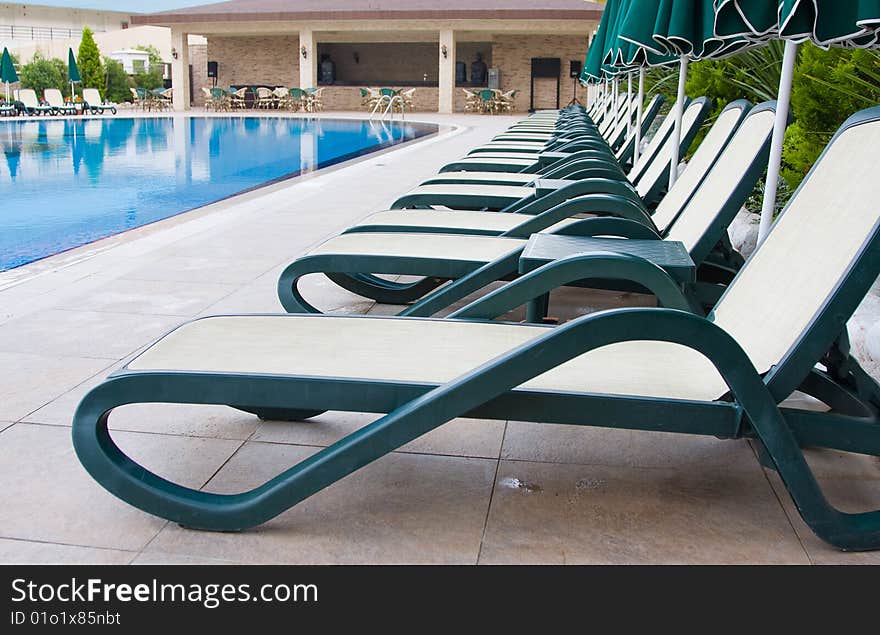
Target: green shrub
x: 116, y: 87
x: 89, y: 61
x: 828, y: 87
x: 152, y: 78
x: 42, y: 73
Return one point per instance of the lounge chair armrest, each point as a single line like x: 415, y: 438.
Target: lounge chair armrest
x: 595, y: 266
x: 575, y: 190
x: 609, y: 226
x: 598, y: 204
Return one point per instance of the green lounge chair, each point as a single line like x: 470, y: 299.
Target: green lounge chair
x: 538, y: 196
x: 650, y: 175
x: 644, y: 369
x: 696, y: 215
x: 505, y: 161
x: 651, y: 178
x: 31, y: 104
x: 56, y: 101
x: 95, y: 104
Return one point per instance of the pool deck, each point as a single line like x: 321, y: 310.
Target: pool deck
x: 470, y: 492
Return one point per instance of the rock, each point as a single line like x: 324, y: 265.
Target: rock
x: 743, y: 232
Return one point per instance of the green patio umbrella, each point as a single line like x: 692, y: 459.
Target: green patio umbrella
x: 73, y: 75
x: 826, y: 23
x: 680, y: 28
x: 7, y: 71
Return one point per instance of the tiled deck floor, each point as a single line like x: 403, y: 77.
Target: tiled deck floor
x: 470, y: 492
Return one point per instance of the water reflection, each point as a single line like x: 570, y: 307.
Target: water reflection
x: 66, y: 182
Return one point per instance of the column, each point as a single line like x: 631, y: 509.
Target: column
x: 180, y: 70
x: 308, y: 65
x: 447, y: 72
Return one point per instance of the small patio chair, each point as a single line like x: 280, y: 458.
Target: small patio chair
x: 265, y: 98
x: 238, y: 98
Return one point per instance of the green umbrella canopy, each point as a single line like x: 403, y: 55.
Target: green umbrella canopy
x: 677, y: 28
x: 845, y: 23
x: 72, y: 68
x: 7, y: 69
x: 609, y: 54
x: 592, y: 71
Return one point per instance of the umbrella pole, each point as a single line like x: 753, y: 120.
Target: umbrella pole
x: 639, y: 115
x: 679, y: 113
x: 629, y: 104
x: 776, y: 147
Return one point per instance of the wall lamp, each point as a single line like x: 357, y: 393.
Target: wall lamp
x: 304, y: 51
x: 444, y: 51
x: 173, y: 52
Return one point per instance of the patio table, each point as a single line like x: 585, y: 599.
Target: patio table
x: 671, y: 256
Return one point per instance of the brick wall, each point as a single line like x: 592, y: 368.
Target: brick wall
x: 274, y: 61
x: 198, y: 59
x: 270, y: 60
x: 513, y: 54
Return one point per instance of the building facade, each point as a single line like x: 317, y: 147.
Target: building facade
x: 23, y: 25
x: 436, y: 46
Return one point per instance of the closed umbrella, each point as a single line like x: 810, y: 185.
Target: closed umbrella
x: 826, y: 23
x: 73, y: 75
x: 7, y: 71
x: 626, y: 56
x: 680, y: 28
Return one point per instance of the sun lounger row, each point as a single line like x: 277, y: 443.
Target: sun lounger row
x: 54, y: 103
x: 777, y: 325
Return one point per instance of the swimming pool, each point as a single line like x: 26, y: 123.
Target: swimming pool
x: 65, y: 183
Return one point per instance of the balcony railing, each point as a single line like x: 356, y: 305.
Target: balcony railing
x: 16, y: 32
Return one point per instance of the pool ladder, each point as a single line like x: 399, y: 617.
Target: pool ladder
x: 386, y: 104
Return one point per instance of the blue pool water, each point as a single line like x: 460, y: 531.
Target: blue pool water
x: 64, y: 183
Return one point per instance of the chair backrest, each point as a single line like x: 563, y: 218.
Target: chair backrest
x: 263, y: 92
x: 297, y: 93
x: 53, y: 97
x: 656, y: 175
x: 28, y: 97
x: 705, y: 217
x: 387, y: 92
x: 792, y: 298
x: 698, y: 167
x: 92, y: 97
x: 487, y: 94
x: 655, y: 145
x: 217, y: 93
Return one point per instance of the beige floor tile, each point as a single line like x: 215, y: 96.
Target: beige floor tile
x: 153, y: 297
x: 31, y: 381
x: 548, y: 513
x: 109, y: 336
x: 403, y: 508
x: 27, y: 552
x: 48, y: 496
x: 216, y: 422
x: 460, y: 437
x: 201, y: 270
x: 606, y: 446
x: 850, y: 482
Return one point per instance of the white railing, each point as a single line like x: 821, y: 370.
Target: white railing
x: 16, y: 32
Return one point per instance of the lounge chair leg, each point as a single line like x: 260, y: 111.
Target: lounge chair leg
x: 280, y: 414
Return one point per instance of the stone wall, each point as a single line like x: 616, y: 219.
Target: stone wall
x: 198, y: 59
x: 270, y: 60
x: 513, y: 55
x: 274, y: 61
